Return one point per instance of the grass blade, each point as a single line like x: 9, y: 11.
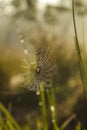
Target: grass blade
x: 80, y: 60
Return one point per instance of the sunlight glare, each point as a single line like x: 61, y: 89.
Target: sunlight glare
x: 43, y: 3
x: 5, y: 1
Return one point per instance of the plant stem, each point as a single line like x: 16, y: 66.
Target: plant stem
x: 81, y: 65
x: 8, y: 115
x: 52, y: 104
x: 43, y: 101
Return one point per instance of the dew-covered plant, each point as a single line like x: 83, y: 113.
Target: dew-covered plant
x: 39, y: 66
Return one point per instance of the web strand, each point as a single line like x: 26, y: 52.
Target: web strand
x: 22, y: 41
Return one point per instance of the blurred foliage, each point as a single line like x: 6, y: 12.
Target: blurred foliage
x: 50, y: 15
x: 7, y: 122
x: 8, y: 68
x: 29, y: 11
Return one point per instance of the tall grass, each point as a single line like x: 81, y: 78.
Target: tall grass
x: 7, y: 122
x: 77, y: 45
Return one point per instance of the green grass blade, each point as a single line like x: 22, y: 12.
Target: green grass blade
x: 65, y: 124
x: 42, y: 96
x: 78, y: 126
x: 80, y: 60
x: 52, y: 104
x: 8, y: 116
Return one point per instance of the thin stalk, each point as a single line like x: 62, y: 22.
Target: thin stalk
x: 52, y: 104
x: 80, y: 61
x: 38, y: 124
x: 9, y: 117
x: 78, y: 126
x: 43, y: 101
x: 67, y: 122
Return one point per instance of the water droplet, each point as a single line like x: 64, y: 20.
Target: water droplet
x: 38, y: 93
x: 52, y: 108
x: 25, y: 52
